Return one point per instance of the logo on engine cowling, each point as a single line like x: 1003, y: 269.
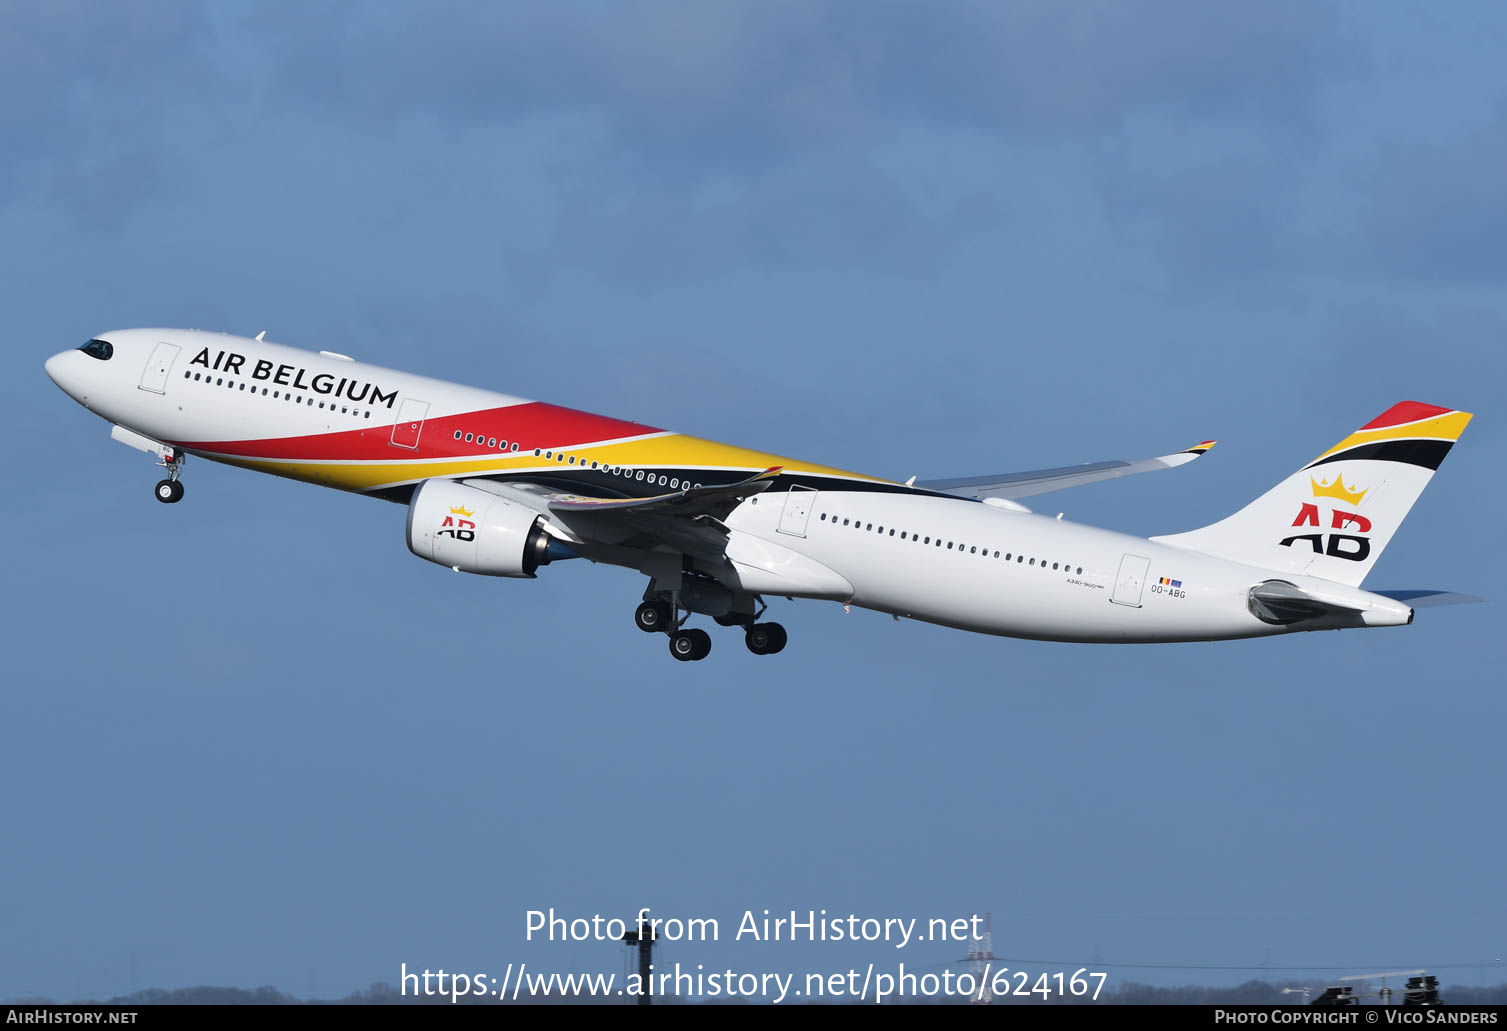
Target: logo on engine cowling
x: 457, y: 524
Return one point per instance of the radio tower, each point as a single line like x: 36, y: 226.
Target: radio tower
x: 981, y: 964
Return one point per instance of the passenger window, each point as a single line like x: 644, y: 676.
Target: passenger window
x: 468, y: 438
x: 1054, y: 565
x: 1080, y: 571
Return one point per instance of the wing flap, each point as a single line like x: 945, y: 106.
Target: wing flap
x: 1042, y: 481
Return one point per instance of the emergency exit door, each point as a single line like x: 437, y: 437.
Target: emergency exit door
x: 154, y: 376
x: 1131, y: 581
x: 409, y: 423
x: 798, y: 504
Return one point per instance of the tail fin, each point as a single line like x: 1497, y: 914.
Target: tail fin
x: 1333, y: 517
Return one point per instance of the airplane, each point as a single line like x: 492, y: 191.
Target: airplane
x: 501, y: 486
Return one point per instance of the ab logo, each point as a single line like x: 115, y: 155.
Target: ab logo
x: 1335, y: 545
x: 457, y: 525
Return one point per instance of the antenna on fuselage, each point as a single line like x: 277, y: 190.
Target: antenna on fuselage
x: 260, y: 335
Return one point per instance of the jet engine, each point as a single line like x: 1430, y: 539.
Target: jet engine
x: 473, y: 531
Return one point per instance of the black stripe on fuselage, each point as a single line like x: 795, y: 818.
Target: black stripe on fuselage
x: 1426, y: 454
x: 598, y: 484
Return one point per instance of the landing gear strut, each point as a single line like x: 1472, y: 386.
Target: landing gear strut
x: 170, y: 491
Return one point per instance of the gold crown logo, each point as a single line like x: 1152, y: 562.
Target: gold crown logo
x: 461, y: 510
x: 1337, y: 489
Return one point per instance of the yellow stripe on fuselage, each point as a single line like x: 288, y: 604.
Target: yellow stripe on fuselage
x: 670, y: 451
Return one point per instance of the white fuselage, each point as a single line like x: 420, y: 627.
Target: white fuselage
x: 922, y: 555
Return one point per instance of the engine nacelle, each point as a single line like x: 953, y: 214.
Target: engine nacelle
x: 477, y: 532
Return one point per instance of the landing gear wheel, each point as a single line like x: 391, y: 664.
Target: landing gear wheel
x: 765, y: 638
x: 169, y: 491
x: 652, y: 617
x: 690, y: 645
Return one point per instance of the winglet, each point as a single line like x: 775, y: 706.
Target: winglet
x: 1198, y: 449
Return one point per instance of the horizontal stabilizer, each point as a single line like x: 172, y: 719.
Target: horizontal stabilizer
x: 1424, y: 599
x: 1042, y: 481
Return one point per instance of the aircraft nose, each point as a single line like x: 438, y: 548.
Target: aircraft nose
x: 61, y: 368
x: 54, y: 367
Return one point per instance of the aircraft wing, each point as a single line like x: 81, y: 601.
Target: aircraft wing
x: 1042, y: 481
x: 690, y: 501
x: 688, y: 520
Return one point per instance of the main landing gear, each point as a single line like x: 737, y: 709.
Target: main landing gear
x: 765, y: 638
x: 659, y: 616
x: 170, y: 491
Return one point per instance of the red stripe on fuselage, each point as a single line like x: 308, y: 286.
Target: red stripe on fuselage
x: 1405, y: 411
x: 530, y: 425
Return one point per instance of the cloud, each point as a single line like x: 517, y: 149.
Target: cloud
x: 90, y: 90
x: 709, y: 86
x: 723, y: 137
x: 1433, y: 210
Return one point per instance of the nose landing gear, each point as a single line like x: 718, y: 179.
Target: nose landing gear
x: 170, y: 491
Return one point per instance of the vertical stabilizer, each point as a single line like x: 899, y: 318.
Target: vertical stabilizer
x: 1333, y: 517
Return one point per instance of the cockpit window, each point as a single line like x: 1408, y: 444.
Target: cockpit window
x: 101, y: 349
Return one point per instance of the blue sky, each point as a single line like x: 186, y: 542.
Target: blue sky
x: 251, y: 740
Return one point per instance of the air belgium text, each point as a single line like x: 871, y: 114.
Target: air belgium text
x: 296, y: 376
